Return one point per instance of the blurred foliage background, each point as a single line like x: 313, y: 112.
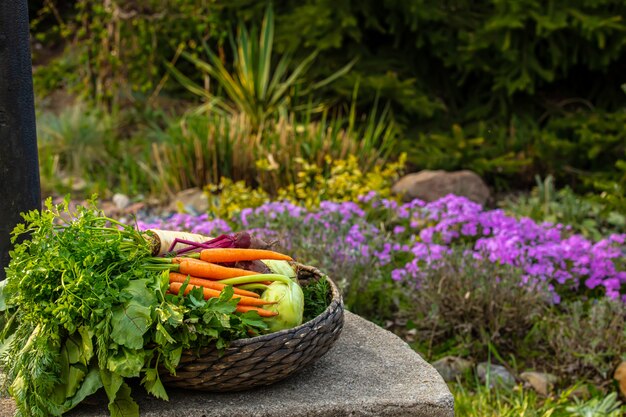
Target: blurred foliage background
x: 509, y: 88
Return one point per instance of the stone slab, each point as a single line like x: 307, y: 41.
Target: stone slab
x: 369, y: 372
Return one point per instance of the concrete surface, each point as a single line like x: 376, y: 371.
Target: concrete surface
x: 369, y: 372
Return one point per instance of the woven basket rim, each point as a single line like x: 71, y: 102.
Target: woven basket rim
x: 336, y: 299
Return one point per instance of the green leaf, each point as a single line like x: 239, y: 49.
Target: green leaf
x: 90, y: 385
x: 120, y: 402
x: 128, y: 363
x: 75, y: 378
x: 162, y: 335
x: 153, y: 384
x: 3, y: 305
x: 111, y: 383
x: 172, y: 358
x: 129, y: 323
x: 87, y: 343
x: 132, y: 320
x: 124, y: 405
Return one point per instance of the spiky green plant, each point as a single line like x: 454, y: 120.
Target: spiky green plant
x: 254, y: 87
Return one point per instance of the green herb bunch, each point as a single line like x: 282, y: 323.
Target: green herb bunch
x: 82, y: 308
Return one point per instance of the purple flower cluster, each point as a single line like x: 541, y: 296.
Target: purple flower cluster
x: 187, y: 222
x: 405, y: 240
x: 543, y: 252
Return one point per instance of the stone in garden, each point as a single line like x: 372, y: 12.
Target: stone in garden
x: 369, y: 372
x: 432, y: 185
x: 495, y: 375
x: 451, y: 367
x: 121, y: 201
x: 620, y: 377
x: 192, y: 200
x: 541, y: 382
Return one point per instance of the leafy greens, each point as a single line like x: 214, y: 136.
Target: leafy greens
x: 81, y: 310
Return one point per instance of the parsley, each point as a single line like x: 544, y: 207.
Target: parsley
x: 317, y: 296
x: 82, y: 310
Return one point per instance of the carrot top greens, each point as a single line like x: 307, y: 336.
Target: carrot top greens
x: 80, y: 310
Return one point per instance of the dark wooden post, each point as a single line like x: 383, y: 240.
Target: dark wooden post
x: 19, y: 164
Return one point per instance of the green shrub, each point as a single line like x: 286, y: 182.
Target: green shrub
x: 455, y: 60
x: 82, y: 151
x: 585, y: 341
x: 462, y: 60
x: 495, y: 152
x: 468, y: 304
x: 255, y: 86
x: 584, y: 215
x: 583, y: 147
x: 340, y: 180
x: 119, y: 48
x: 198, y: 150
x: 585, y: 150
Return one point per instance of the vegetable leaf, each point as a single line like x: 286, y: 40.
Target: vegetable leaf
x: 124, y: 405
x: 129, y: 323
x: 127, y: 363
x: 90, y: 385
x: 133, y: 319
x: 153, y: 384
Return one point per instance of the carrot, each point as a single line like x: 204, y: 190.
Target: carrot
x: 262, y: 313
x: 207, y: 270
x: 209, y: 293
x: 239, y: 254
x: 176, y: 277
x: 179, y: 259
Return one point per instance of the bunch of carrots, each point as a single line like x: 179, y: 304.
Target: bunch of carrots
x: 203, y: 270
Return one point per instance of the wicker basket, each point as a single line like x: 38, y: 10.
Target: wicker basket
x: 266, y: 359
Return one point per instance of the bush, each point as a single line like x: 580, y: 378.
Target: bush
x: 584, y: 340
x: 199, y: 150
x: 119, y: 48
x: 585, y: 150
x: 466, y: 305
x: 590, y: 217
x: 82, y: 150
x: 463, y: 60
x: 503, y: 57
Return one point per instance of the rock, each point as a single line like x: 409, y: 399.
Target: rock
x: 451, y: 367
x: 192, y: 200
x: 121, y: 201
x: 369, y: 372
x: 542, y: 383
x: 495, y: 375
x: 620, y: 377
x: 432, y: 185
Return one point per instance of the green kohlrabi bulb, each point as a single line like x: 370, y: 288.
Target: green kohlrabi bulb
x: 289, y: 305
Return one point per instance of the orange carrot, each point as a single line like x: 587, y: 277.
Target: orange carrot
x: 176, y: 277
x: 209, y: 293
x: 211, y: 271
x: 262, y: 313
x: 239, y: 254
x: 180, y: 259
